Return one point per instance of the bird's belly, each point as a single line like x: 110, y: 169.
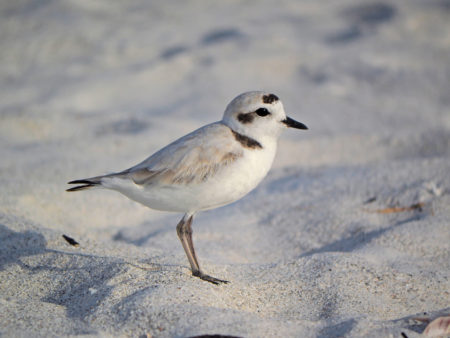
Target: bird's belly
x: 230, y: 184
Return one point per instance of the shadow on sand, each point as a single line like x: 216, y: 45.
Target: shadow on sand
x: 358, y: 240
x: 79, y: 282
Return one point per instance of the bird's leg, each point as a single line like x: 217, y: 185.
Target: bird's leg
x: 184, y: 231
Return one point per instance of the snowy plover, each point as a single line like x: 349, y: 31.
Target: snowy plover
x: 208, y: 168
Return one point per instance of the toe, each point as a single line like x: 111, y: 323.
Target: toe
x: 211, y: 279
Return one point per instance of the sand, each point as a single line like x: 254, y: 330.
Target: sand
x: 349, y: 234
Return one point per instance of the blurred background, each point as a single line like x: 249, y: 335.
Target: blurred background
x: 348, y: 234
x: 90, y: 87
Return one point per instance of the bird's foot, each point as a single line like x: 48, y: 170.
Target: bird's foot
x: 208, y: 278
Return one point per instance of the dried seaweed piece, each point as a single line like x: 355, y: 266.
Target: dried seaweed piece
x: 390, y: 210
x: 70, y: 240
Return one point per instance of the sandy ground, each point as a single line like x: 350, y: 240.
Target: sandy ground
x: 349, y: 235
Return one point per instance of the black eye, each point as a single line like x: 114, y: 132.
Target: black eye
x: 262, y: 112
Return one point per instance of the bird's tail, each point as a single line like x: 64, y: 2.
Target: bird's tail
x: 86, y: 183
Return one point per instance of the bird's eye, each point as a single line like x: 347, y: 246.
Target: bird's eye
x: 262, y: 112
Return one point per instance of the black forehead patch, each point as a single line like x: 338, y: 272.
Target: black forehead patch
x: 270, y: 98
x: 246, y: 118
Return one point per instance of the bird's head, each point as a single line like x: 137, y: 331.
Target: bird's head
x: 258, y: 115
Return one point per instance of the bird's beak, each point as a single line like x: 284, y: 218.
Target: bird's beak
x: 291, y: 123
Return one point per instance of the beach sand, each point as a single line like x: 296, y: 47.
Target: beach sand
x: 349, y: 234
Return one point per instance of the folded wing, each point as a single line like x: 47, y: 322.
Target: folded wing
x: 193, y: 158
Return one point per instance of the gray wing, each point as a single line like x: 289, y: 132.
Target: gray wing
x: 192, y: 158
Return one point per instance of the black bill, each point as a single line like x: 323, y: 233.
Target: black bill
x: 291, y: 123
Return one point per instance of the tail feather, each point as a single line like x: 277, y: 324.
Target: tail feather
x: 85, y: 183
x: 81, y: 187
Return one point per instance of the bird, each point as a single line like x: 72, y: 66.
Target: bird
x: 210, y: 167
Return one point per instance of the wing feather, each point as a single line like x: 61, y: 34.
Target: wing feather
x: 195, y: 157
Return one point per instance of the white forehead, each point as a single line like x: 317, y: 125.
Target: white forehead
x: 250, y: 101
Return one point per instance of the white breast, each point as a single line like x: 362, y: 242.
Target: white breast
x: 238, y: 179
